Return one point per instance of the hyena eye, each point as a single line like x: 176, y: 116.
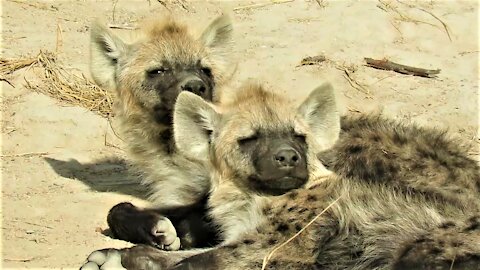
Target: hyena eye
x: 300, y: 137
x: 207, y: 71
x: 247, y: 140
x: 158, y: 71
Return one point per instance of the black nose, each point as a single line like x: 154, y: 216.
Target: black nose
x: 195, y: 86
x: 287, y: 158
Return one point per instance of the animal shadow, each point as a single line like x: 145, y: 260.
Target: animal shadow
x: 106, y: 175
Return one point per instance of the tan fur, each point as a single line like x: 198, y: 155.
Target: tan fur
x: 173, y: 179
x: 374, y: 224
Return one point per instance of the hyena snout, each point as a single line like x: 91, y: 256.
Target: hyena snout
x: 196, y: 86
x: 287, y: 158
x: 280, y: 168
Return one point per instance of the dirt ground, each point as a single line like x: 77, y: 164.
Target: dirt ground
x: 62, y: 166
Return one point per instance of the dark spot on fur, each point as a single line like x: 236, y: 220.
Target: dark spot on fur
x: 420, y: 240
x: 282, y: 227
x: 446, y: 225
x: 379, y: 169
x: 301, y: 210
x: 291, y: 208
x: 474, y: 225
x: 311, y: 198
x: 272, y: 241
x: 375, y: 138
x: 248, y: 241
x: 355, y: 149
x: 292, y: 195
x: 298, y: 227
x: 399, y: 139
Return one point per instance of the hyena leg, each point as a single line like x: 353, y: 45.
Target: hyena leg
x: 161, y: 227
x: 450, y: 246
x: 139, y: 257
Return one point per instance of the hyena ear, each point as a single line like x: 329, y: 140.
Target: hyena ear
x: 193, y: 122
x: 218, y: 33
x: 320, y: 112
x: 105, y: 50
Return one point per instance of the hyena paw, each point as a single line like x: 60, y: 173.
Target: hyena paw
x: 165, y: 235
x: 134, y: 258
x: 105, y: 259
x: 142, y: 226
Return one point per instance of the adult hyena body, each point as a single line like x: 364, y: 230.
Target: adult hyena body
x: 147, y: 76
x: 268, y: 184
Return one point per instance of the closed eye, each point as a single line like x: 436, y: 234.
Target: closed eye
x: 207, y: 71
x: 158, y: 71
x: 246, y: 140
x: 300, y: 137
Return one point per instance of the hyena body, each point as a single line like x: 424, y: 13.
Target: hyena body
x: 268, y: 185
x: 147, y: 76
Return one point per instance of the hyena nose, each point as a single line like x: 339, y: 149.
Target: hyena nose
x: 195, y: 86
x: 287, y: 158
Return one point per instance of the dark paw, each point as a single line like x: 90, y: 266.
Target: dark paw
x: 139, y: 226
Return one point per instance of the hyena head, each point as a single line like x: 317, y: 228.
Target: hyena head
x: 167, y: 59
x: 260, y: 140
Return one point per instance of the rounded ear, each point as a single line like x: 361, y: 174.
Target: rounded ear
x: 218, y: 33
x: 193, y: 122
x: 320, y: 112
x: 105, y: 50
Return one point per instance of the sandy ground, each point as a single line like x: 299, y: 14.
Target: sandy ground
x: 61, y: 173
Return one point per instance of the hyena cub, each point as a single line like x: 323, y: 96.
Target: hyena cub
x: 267, y: 185
x: 147, y: 76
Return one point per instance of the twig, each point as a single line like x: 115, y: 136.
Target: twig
x: 269, y: 256
x: 354, y: 83
x: 113, y: 9
x: 35, y: 5
x: 389, y: 65
x: 312, y: 60
x: 118, y: 26
x: 259, y: 5
x: 32, y: 223
x: 20, y: 260
x: 59, y: 42
x: 320, y: 3
x: 445, y: 26
x: 7, y: 81
x: 467, y: 52
x: 27, y: 154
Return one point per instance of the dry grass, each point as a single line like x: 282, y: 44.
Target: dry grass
x: 70, y: 88
x: 8, y: 66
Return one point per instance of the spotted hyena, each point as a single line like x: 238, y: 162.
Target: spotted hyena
x: 147, y: 76
x: 270, y: 191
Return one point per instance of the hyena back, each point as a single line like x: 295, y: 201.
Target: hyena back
x: 147, y: 76
x: 267, y: 185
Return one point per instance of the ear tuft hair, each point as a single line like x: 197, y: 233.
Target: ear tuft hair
x: 105, y: 50
x: 320, y: 112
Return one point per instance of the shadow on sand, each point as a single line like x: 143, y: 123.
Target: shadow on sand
x: 107, y: 175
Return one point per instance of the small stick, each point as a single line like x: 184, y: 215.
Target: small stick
x: 389, y: 65
x: 269, y: 256
x: 118, y: 26
x: 7, y: 81
x: 113, y: 9
x: 259, y: 5
x: 445, y: 26
x: 26, y: 154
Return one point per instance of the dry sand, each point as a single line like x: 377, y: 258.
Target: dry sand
x: 60, y: 165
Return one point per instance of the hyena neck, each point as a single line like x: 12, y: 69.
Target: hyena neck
x: 235, y: 211
x: 145, y: 136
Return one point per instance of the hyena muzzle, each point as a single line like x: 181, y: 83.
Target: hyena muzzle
x: 267, y: 184
x: 147, y: 75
